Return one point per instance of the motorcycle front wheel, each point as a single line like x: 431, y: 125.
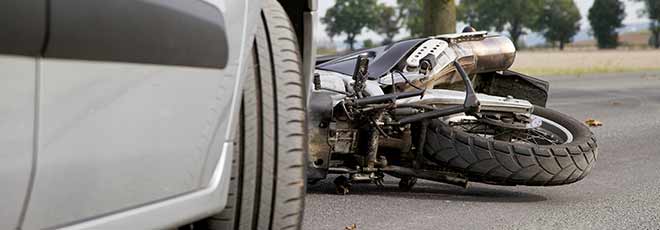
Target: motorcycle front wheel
x: 561, y: 151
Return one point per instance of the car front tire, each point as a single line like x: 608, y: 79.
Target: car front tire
x: 268, y: 173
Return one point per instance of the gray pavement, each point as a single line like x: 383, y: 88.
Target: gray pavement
x: 622, y: 192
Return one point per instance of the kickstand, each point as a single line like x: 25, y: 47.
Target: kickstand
x: 407, y: 182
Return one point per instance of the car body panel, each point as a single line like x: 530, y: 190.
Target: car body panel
x: 119, y: 141
x: 22, y: 30
x: 185, y: 208
x: 117, y: 135
x: 17, y: 110
x: 166, y: 32
x: 137, y: 145
x: 22, y: 27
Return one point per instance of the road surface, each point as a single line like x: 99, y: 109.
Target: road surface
x: 622, y: 192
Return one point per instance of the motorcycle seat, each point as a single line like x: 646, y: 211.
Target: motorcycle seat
x: 382, y: 59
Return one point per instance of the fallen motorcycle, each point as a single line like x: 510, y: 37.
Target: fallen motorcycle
x: 444, y: 109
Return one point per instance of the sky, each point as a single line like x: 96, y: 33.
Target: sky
x: 632, y: 17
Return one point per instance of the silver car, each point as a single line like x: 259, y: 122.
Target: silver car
x: 151, y: 114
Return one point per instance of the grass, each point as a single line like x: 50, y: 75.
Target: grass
x: 581, y: 70
x: 544, y: 63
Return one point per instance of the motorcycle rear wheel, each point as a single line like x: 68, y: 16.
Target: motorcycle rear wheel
x: 486, y: 159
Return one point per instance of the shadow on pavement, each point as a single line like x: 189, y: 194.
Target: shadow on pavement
x: 432, y: 191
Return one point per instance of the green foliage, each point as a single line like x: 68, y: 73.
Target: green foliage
x: 513, y: 15
x: 559, y: 21
x: 388, y: 23
x: 368, y: 43
x: 350, y: 17
x: 652, y: 10
x: 605, y: 17
x: 411, y: 13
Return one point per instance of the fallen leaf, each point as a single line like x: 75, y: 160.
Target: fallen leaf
x: 593, y: 123
x: 616, y: 103
x: 351, y: 227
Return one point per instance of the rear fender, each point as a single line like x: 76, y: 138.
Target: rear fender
x: 511, y: 83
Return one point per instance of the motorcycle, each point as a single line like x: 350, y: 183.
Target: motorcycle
x: 444, y: 108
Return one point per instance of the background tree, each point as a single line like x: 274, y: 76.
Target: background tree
x: 559, y: 21
x: 350, y: 17
x: 411, y: 13
x: 388, y: 23
x: 514, y: 16
x: 652, y: 10
x: 368, y: 43
x: 439, y: 17
x: 605, y: 16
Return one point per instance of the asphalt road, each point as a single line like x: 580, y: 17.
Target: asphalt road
x: 622, y: 192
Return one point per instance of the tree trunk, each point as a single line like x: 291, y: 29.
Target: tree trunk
x: 655, y: 30
x: 561, y: 45
x: 515, y: 32
x: 350, y: 39
x: 388, y: 39
x: 656, y: 37
x: 439, y: 17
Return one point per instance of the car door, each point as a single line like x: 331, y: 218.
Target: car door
x: 132, y: 95
x: 22, y: 27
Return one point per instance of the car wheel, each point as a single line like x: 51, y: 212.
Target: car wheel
x: 268, y: 173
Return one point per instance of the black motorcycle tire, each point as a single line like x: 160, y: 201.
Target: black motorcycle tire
x: 504, y: 163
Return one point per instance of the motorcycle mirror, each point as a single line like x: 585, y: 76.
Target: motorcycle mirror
x: 360, y: 73
x: 469, y: 29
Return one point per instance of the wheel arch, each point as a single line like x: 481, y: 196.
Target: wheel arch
x: 303, y: 18
x: 296, y: 13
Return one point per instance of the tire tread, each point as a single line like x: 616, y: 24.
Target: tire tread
x: 269, y: 194
x: 498, y: 162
